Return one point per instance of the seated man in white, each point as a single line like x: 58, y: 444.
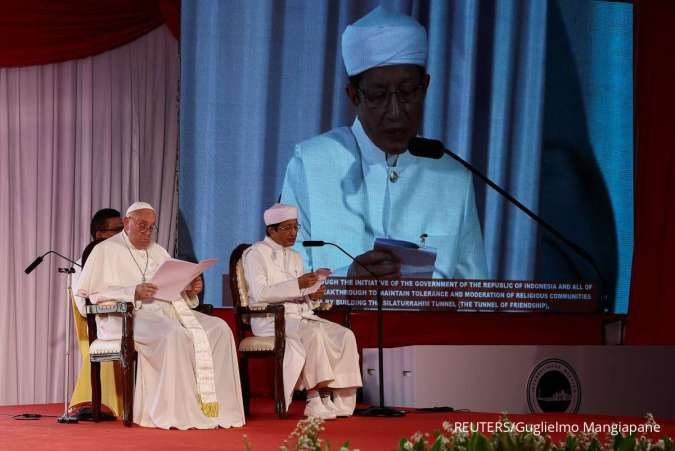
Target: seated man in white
x: 187, y: 374
x: 320, y: 356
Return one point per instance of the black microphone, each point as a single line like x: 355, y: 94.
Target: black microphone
x: 323, y: 243
x: 33, y: 265
x: 431, y: 148
x: 426, y: 148
x: 313, y: 243
x: 38, y: 260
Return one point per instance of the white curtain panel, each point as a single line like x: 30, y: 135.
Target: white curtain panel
x: 75, y: 137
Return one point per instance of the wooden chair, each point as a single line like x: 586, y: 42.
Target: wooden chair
x: 110, y: 376
x: 270, y: 347
x: 252, y: 346
x: 112, y: 350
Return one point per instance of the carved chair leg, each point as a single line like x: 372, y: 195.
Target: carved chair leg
x: 279, y: 398
x: 128, y: 393
x: 245, y: 388
x: 96, y: 391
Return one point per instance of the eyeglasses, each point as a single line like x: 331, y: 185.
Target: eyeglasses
x: 143, y: 226
x: 289, y: 227
x: 405, y: 94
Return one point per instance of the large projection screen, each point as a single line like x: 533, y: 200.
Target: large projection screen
x: 537, y: 95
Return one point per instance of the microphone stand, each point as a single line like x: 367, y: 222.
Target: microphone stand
x: 65, y: 418
x: 381, y: 410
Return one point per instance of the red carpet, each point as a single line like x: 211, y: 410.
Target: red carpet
x: 264, y: 430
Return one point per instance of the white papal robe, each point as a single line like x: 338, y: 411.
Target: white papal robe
x: 166, y: 394
x: 317, y: 350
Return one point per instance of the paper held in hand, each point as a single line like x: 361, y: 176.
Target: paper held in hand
x: 173, y: 276
x: 322, y: 274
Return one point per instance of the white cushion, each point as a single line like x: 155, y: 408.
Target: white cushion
x: 258, y: 344
x: 105, y: 347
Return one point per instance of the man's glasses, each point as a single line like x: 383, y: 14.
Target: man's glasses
x: 289, y: 227
x: 143, y: 226
x: 405, y: 94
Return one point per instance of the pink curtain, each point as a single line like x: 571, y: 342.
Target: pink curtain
x: 75, y: 137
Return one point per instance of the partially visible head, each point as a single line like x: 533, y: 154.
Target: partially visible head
x: 105, y: 223
x: 385, y: 56
x: 281, y: 224
x: 140, y: 224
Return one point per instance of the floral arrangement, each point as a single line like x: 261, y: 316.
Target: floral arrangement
x: 306, y: 437
x: 510, y: 439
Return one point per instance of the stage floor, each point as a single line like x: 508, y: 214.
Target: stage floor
x: 263, y: 429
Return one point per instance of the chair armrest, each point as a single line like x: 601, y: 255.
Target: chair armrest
x: 117, y: 307
x: 261, y: 309
x: 126, y: 309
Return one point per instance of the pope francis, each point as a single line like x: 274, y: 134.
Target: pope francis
x: 187, y: 374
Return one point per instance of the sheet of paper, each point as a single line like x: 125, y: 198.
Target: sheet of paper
x: 173, y: 276
x: 416, y: 262
x: 322, y: 274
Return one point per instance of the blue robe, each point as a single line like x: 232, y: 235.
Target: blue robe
x: 341, y: 183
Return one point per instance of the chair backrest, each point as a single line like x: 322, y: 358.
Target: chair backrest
x: 239, y: 289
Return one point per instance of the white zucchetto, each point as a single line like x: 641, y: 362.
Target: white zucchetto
x: 139, y: 206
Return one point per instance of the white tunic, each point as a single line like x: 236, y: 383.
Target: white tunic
x: 317, y: 350
x: 347, y: 194
x: 166, y: 394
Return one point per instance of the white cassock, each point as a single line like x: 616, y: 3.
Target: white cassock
x: 180, y: 351
x: 317, y: 350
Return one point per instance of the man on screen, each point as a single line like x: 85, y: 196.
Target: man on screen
x: 355, y: 184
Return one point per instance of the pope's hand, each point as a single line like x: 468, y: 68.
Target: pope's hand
x: 145, y: 291
x: 195, y: 287
x: 307, y: 280
x: 383, y: 264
